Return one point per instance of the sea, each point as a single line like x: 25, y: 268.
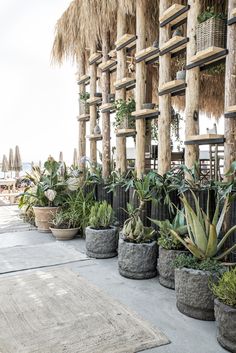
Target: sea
x: 26, y: 168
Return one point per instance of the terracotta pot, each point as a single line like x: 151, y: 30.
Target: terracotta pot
x: 64, y: 234
x: 43, y: 218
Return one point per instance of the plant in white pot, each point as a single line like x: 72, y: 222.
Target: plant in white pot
x: 192, y: 275
x: 169, y: 247
x: 101, y: 235
x: 225, y: 310
x: 137, y: 251
x: 64, y: 227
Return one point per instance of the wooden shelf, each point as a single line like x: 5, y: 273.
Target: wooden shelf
x: 230, y: 112
x: 176, y: 87
x: 126, y: 82
x: 95, y: 58
x: 94, y: 137
x: 232, y: 19
x: 174, y: 45
x: 94, y: 100
x: 126, y: 41
x: 125, y: 132
x: 83, y: 117
x: 109, y: 65
x: 84, y: 79
x: 149, y: 53
x: 107, y: 107
x: 207, y: 56
x: 174, y: 15
x: 205, y: 139
x: 112, y: 54
x: 147, y: 114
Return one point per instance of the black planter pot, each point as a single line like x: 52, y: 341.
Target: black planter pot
x: 120, y: 200
x: 202, y: 195
x: 102, y: 194
x: 160, y: 211
x: 232, y: 221
x: 146, y: 212
x: 90, y: 188
x: 226, y: 325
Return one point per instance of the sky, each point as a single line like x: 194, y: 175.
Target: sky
x: 38, y: 101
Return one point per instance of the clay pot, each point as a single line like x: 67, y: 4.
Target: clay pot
x: 64, y: 234
x: 43, y: 218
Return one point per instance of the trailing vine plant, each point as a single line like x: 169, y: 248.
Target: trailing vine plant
x: 123, y: 113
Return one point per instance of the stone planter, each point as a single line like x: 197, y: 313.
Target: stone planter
x: 166, y: 268
x: 226, y: 325
x: 43, y: 218
x: 101, y: 243
x: 148, y: 106
x: 137, y: 261
x: 64, y: 234
x: 120, y: 200
x: 193, y: 296
x: 181, y: 75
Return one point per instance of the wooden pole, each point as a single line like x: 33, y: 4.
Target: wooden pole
x: 93, y: 109
x: 230, y: 93
x: 193, y: 87
x: 82, y: 124
x: 149, y: 87
x: 121, y: 164
x: 106, y: 145
x: 140, y: 86
x: 164, y: 120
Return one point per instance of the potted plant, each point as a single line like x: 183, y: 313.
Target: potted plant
x: 123, y: 117
x: 181, y: 73
x: 211, y: 30
x: 83, y: 99
x: 225, y: 310
x: 137, y: 251
x: 169, y: 247
x: 192, y: 275
x: 101, y: 236
x: 65, y: 225
x: 47, y: 191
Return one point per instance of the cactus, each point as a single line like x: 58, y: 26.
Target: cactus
x: 101, y: 215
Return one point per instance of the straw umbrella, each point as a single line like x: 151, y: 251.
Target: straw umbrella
x: 17, y: 161
x: 11, y: 161
x: 5, y: 166
x: 61, y: 157
x: 75, y: 158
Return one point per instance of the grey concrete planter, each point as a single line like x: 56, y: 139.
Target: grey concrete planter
x: 193, y: 296
x: 166, y: 268
x: 137, y: 261
x: 102, y: 243
x: 226, y: 325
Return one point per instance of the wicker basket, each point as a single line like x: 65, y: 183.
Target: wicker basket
x: 211, y: 33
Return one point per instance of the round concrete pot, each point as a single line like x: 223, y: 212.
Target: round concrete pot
x: 166, y: 268
x: 181, y: 75
x: 101, y: 243
x: 193, y: 295
x: 137, y: 261
x: 226, y: 325
x: 64, y: 234
x: 43, y: 218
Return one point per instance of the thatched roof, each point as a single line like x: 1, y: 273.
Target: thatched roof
x: 81, y: 26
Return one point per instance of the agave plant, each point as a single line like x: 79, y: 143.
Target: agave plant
x: 101, y: 215
x: 203, y: 234
x: 133, y: 229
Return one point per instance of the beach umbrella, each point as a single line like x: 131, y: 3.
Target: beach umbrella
x: 5, y: 166
x: 17, y: 161
x: 61, y: 157
x: 11, y: 161
x: 75, y: 158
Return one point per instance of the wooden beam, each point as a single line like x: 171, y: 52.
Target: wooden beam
x: 164, y: 120
x: 95, y: 58
x: 230, y: 93
x: 140, y: 86
x: 121, y: 164
x: 125, y: 41
x: 93, y: 110
x: 173, y: 15
x: 193, y: 87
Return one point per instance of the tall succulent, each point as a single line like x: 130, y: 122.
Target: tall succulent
x: 101, y: 215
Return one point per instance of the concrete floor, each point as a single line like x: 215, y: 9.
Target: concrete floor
x: 148, y: 298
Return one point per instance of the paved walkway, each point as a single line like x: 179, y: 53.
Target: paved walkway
x: 10, y: 220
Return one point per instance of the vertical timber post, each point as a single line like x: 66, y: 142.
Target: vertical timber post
x: 106, y: 144
x: 93, y: 109
x: 193, y: 87
x: 230, y: 92
x: 121, y: 94
x: 140, y: 86
x: 82, y: 124
x: 149, y: 87
x: 164, y: 120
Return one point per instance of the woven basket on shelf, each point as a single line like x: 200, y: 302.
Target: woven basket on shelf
x: 211, y: 33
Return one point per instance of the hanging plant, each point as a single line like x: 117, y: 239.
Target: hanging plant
x: 84, y: 97
x: 123, y: 113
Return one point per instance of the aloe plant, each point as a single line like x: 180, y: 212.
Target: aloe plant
x: 203, y: 234
x: 101, y: 215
